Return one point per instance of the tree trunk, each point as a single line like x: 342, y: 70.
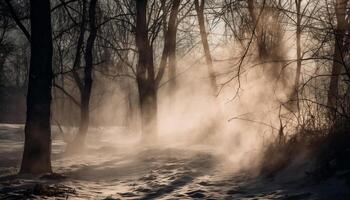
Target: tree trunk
x: 2, y: 61
x: 336, y: 70
x: 145, y: 74
x: 258, y: 32
x: 171, y: 37
x: 200, y: 15
x: 37, y: 145
x: 87, y: 84
x: 295, y: 96
x: 340, y: 11
x: 148, y: 104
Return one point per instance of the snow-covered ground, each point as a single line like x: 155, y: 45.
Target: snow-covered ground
x: 117, y: 167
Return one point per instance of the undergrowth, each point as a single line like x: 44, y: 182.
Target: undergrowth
x: 326, y: 149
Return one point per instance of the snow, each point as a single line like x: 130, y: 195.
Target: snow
x: 115, y: 166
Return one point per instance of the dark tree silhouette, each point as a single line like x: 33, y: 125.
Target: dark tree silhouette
x: 145, y: 73
x: 86, y: 85
x: 37, y: 145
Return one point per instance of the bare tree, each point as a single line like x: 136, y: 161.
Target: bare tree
x: 170, y: 44
x: 82, y: 76
x: 37, y: 145
x: 298, y: 44
x: 199, y: 6
x: 86, y: 86
x: 145, y: 72
x: 339, y: 49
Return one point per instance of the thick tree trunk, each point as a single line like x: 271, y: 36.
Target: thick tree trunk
x: 149, y: 109
x: 87, y: 84
x: 145, y: 74
x: 200, y: 15
x: 37, y: 146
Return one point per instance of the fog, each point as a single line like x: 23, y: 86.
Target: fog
x: 179, y: 99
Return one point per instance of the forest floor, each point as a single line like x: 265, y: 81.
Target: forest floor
x: 115, y: 169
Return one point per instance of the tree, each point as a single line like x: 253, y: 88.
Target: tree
x: 145, y: 73
x: 6, y: 46
x: 83, y: 80
x: 298, y: 37
x: 339, y: 49
x: 170, y: 44
x: 86, y: 86
x: 37, y: 145
x: 199, y: 6
x: 146, y: 77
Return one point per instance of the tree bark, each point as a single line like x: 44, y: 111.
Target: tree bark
x: 37, y: 145
x: 145, y: 74
x: 338, y: 57
x: 200, y: 15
